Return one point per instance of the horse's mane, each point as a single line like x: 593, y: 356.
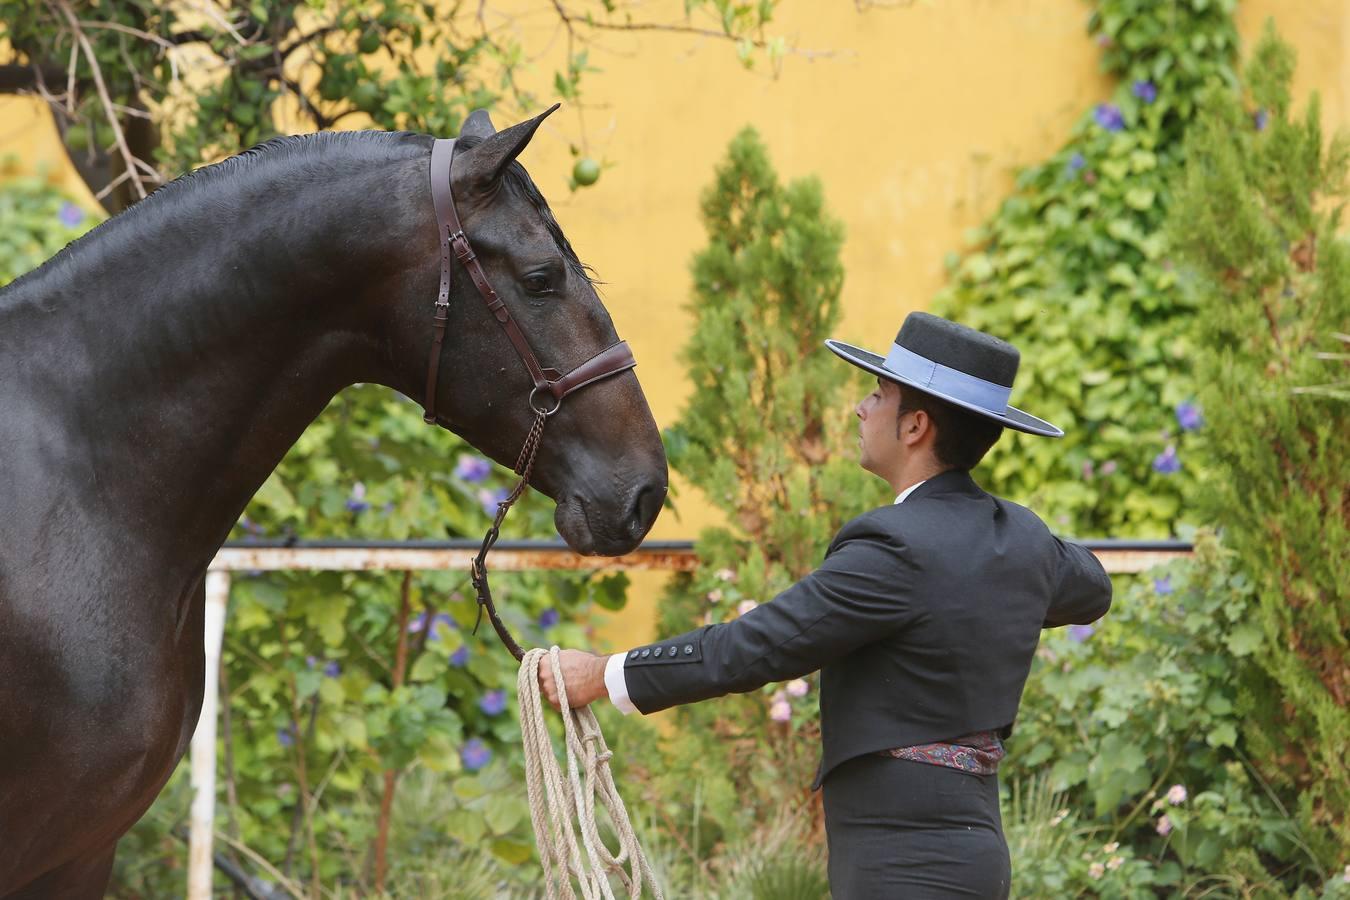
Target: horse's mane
x: 356, y: 146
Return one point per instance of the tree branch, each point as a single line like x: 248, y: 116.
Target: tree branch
x: 121, y: 139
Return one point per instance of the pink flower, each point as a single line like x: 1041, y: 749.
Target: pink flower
x: 797, y: 688
x: 725, y: 575
x: 1115, y: 862
x: 745, y: 606
x: 715, y: 595
x: 1097, y: 870
x: 1164, y: 826
x: 1176, y: 795
x: 781, y: 711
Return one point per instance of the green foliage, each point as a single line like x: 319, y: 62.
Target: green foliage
x: 1075, y: 270
x: 1136, y: 735
x: 39, y: 220
x: 184, y: 88
x: 1257, y: 218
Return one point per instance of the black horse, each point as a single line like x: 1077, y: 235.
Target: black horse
x: 152, y: 375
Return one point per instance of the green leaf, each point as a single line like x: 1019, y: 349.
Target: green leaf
x: 1140, y: 198
x: 1245, y: 639
x: 1223, y: 735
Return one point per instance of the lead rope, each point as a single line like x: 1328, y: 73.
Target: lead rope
x: 555, y: 801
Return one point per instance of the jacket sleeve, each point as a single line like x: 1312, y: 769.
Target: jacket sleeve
x: 1083, y: 589
x: 861, y: 593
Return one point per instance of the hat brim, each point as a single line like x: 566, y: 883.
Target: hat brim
x: 1014, y: 418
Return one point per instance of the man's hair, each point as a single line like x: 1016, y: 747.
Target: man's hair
x: 963, y: 438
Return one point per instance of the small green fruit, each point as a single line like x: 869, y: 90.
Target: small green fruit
x: 366, y: 96
x: 369, y: 42
x: 586, y: 171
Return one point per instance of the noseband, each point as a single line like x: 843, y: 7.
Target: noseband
x: 550, y: 387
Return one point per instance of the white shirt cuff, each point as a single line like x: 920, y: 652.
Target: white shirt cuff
x: 617, y: 685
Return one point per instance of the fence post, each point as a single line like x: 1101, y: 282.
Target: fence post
x: 203, y: 753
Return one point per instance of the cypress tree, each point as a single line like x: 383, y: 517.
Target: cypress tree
x: 1257, y: 215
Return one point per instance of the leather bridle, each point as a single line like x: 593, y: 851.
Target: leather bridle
x: 548, y: 383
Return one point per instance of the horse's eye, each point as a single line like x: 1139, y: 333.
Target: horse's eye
x: 538, y: 283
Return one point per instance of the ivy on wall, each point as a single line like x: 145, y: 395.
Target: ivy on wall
x: 1075, y: 270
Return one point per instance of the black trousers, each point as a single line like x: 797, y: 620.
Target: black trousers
x: 909, y: 830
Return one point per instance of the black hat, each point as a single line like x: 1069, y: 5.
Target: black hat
x: 960, y: 365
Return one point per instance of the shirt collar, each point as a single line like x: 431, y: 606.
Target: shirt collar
x: 907, y: 491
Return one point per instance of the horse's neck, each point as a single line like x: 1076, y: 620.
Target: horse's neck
x: 192, y: 344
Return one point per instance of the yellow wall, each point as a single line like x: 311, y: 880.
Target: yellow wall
x: 914, y: 124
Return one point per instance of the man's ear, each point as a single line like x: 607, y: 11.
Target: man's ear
x: 484, y: 164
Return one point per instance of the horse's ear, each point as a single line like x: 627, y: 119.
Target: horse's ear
x: 478, y: 124
x: 485, y: 163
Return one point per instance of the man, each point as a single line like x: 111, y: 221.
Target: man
x: 923, y: 619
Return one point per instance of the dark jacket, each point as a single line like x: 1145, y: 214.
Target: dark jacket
x: 923, y: 620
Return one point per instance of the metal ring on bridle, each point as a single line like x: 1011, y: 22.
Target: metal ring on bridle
x: 557, y: 404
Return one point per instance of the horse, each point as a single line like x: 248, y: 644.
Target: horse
x: 154, y: 372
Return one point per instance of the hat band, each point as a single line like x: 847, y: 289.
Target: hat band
x: 949, y: 382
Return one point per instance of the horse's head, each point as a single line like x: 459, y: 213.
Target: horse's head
x: 601, y: 459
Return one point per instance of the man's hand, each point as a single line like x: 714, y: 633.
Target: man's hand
x: 583, y: 673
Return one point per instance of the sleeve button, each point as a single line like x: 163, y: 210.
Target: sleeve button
x: 646, y: 652
x: 633, y: 655
x: 656, y: 654
x: 688, y: 649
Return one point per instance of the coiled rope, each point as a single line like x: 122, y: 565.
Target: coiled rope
x: 555, y: 802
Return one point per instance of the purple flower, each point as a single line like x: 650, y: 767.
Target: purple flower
x: 286, y: 736
x: 251, y: 527
x: 1259, y: 119
x: 331, y: 669
x: 490, y: 499
x: 780, y: 711
x: 1163, y: 586
x: 1088, y: 470
x: 472, y: 469
x: 357, y: 501
x: 1145, y: 91
x: 1108, y: 467
x: 311, y: 661
x: 460, y: 658
x: 548, y: 618
x: 1076, y: 162
x: 432, y: 627
x: 1108, y: 116
x: 493, y: 703
x: 1188, y: 417
x: 1166, y: 462
x: 1080, y: 633
x: 70, y: 214
x: 475, y: 754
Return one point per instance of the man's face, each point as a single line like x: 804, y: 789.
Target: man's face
x: 879, y: 444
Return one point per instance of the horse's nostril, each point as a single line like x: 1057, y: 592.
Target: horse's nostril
x: 646, y: 504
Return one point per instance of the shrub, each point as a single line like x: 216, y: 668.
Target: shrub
x: 1257, y: 219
